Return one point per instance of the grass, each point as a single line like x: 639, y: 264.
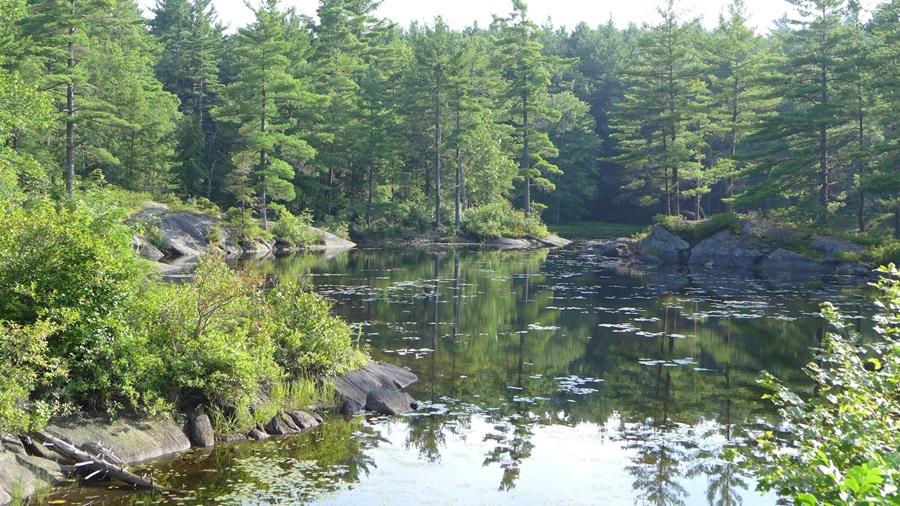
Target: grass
x: 594, y: 229
x: 299, y: 394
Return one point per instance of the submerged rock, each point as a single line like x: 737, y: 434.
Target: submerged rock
x: 390, y: 401
x: 784, y: 261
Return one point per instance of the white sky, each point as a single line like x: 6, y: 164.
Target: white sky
x: 462, y: 13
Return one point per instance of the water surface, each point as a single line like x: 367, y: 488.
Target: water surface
x: 544, y: 378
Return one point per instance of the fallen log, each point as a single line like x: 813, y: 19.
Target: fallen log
x: 98, y: 463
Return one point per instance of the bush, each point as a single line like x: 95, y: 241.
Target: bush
x: 244, y: 227
x: 203, y: 334
x: 294, y: 231
x: 25, y: 365
x: 843, y: 441
x: 695, y: 231
x: 499, y: 219
x: 309, y: 340
x: 883, y: 254
x: 67, y: 269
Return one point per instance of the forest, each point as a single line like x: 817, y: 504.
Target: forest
x: 379, y: 130
x: 388, y: 134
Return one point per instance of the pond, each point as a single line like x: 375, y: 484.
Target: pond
x: 545, y: 377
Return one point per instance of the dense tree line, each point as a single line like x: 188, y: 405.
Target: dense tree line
x: 389, y: 128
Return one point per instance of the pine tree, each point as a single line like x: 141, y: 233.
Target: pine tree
x: 885, y: 152
x: 59, y: 36
x: 741, y: 97
x: 662, y: 124
x: 527, y: 72
x: 257, y: 101
x: 812, y: 124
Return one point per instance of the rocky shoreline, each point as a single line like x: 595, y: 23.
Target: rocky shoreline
x: 29, y: 464
x: 753, y: 248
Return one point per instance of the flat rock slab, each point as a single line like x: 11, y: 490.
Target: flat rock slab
x: 130, y: 440
x: 357, y: 384
x: 27, y: 474
x: 390, y: 401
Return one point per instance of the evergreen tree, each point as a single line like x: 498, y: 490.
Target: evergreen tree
x: 662, y: 125
x: 59, y: 37
x: 257, y: 101
x: 527, y: 72
x: 811, y: 123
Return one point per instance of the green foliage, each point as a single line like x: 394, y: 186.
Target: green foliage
x: 205, y: 343
x: 294, y: 231
x: 310, y: 342
x: 499, y: 219
x: 843, y: 439
x: 883, y: 254
x: 244, y: 227
x: 75, y: 271
x: 594, y: 229
x: 25, y: 366
x: 695, y: 231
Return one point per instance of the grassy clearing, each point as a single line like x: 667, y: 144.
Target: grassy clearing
x: 594, y: 229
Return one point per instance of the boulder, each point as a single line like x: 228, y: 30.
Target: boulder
x: 614, y: 248
x: 390, y: 401
x: 132, y: 440
x: 149, y: 251
x: 834, y: 249
x: 257, y: 435
x: 727, y: 250
x: 350, y: 407
x: 782, y: 261
x: 357, y: 384
x: 201, y: 430
x: 12, y: 444
x: 303, y: 420
x: 281, y: 425
x: 665, y: 245
x: 26, y: 475
x: 854, y: 269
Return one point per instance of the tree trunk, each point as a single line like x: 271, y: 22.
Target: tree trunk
x: 897, y: 221
x: 459, y: 166
x: 823, y: 148
x: 70, y: 110
x: 437, y: 153
x: 263, y: 205
x: 526, y: 154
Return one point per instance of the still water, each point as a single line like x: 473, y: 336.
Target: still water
x: 544, y: 378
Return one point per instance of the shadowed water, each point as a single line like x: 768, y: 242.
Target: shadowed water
x: 544, y: 378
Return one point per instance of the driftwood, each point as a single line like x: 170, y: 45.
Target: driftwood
x: 97, y: 464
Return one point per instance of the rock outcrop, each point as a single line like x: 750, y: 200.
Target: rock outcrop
x: 130, y: 440
x: 355, y: 387
x: 200, y: 430
x: 726, y: 249
x: 390, y: 401
x: 665, y: 245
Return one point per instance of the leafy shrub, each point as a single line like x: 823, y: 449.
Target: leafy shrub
x: 214, y: 235
x: 244, y: 227
x: 207, y: 348
x: 695, y: 231
x: 499, y: 219
x: 309, y: 340
x: 25, y: 365
x: 77, y: 273
x: 843, y: 441
x: 885, y: 253
x: 336, y: 227
x: 202, y: 205
x: 293, y: 230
